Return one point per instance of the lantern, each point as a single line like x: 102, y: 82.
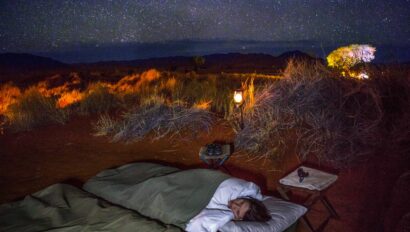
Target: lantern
x: 238, y: 97
x: 238, y: 100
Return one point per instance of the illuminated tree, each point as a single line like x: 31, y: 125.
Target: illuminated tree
x: 344, y: 58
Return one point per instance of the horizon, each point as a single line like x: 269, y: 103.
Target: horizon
x: 187, y: 48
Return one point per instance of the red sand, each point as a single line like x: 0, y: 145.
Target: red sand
x: 30, y: 161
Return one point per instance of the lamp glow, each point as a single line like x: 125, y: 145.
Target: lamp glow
x: 363, y: 75
x: 237, y: 97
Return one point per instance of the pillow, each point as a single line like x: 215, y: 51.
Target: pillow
x: 231, y: 189
x: 283, y: 214
x: 217, y: 213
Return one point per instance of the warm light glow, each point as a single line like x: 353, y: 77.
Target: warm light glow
x: 359, y: 75
x: 237, y: 97
x: 8, y: 95
x: 69, y: 98
x: 203, y: 105
x: 363, y: 75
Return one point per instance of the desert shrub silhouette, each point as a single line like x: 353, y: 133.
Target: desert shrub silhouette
x: 98, y: 99
x: 8, y: 95
x: 334, y: 118
x: 32, y: 109
x: 158, y: 119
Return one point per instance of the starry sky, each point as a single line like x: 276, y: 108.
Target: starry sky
x: 58, y: 26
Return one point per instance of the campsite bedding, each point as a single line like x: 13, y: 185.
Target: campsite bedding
x: 284, y: 216
x: 168, y: 189
x: 64, y: 208
x: 216, y: 214
x: 156, y: 191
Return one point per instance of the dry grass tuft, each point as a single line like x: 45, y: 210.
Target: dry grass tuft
x: 32, y: 109
x: 8, y: 95
x: 159, y: 119
x: 333, y: 118
x: 69, y: 98
x: 98, y: 99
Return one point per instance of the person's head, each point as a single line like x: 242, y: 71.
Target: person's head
x: 249, y: 209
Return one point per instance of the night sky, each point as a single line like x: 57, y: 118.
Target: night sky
x: 64, y: 26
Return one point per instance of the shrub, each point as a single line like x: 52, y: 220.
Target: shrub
x: 333, y: 118
x: 345, y: 58
x: 69, y: 98
x: 160, y: 119
x: 105, y: 126
x: 97, y: 99
x: 393, y: 84
x: 33, y: 109
x: 8, y: 95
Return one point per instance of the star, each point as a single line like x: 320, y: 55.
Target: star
x: 37, y: 26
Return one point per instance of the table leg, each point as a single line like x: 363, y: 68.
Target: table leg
x: 282, y: 192
x: 304, y: 220
x: 306, y: 223
x: 329, y: 207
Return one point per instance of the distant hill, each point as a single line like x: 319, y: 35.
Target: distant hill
x: 214, y: 63
x: 27, y: 62
x: 27, y: 68
x: 294, y: 55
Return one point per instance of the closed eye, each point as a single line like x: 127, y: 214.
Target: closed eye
x: 236, y: 213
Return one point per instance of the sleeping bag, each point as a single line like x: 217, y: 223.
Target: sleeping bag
x: 165, y: 193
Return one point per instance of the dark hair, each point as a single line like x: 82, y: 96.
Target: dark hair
x: 257, y: 211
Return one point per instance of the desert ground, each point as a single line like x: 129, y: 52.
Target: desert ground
x: 32, y: 160
x: 371, y: 193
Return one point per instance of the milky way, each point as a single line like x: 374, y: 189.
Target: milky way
x: 51, y: 25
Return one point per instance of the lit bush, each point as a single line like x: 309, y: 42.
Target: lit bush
x: 32, y: 109
x: 69, y: 98
x: 345, y: 58
x: 8, y: 95
x: 135, y: 83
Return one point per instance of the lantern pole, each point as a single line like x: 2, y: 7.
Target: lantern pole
x: 238, y: 99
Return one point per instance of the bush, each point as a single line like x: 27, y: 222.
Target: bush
x: 393, y: 84
x: 97, y: 99
x: 333, y: 118
x: 345, y: 58
x: 8, y: 95
x: 32, y: 109
x: 160, y: 119
x: 105, y: 126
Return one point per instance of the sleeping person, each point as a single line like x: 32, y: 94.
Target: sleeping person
x: 199, y: 200
x: 234, y: 199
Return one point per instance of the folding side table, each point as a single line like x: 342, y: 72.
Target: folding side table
x: 314, y: 186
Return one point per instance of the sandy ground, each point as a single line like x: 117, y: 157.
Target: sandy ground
x: 30, y: 161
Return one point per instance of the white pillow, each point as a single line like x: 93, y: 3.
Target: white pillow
x: 231, y: 189
x: 217, y: 213
x: 283, y: 214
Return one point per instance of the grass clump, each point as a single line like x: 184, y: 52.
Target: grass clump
x: 32, y: 109
x: 8, y: 95
x: 97, y: 99
x: 334, y: 118
x: 159, y: 119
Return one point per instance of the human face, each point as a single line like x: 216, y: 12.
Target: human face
x: 239, y: 207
